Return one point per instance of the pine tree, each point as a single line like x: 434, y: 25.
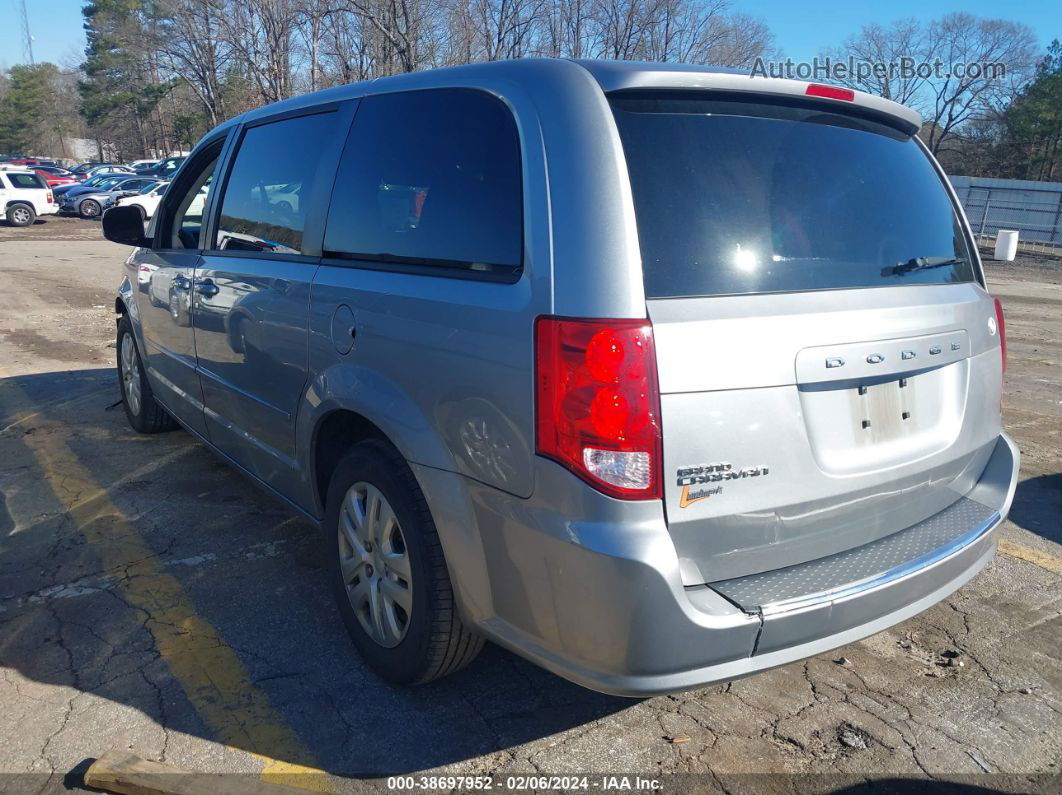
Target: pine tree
x: 1034, y: 119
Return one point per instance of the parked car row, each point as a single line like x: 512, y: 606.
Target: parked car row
x: 147, y: 168
x: 89, y: 201
x: 164, y: 167
x: 30, y: 162
x: 88, y: 189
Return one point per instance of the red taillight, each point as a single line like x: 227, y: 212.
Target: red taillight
x: 597, y: 403
x: 1002, y: 332
x: 830, y: 92
x: 51, y: 199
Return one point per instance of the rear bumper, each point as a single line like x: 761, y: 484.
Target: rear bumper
x: 599, y: 600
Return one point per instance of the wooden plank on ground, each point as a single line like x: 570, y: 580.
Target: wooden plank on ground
x: 127, y: 774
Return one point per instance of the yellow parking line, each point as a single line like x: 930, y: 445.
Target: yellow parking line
x: 211, y: 674
x: 1044, y: 560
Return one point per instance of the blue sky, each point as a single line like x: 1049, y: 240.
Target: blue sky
x: 801, y: 30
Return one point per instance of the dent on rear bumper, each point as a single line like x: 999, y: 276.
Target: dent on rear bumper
x: 598, y: 599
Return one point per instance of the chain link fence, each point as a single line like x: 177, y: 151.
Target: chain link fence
x: 1034, y: 209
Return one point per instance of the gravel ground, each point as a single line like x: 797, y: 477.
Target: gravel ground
x: 153, y: 600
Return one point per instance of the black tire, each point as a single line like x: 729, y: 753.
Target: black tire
x: 437, y: 643
x: 89, y: 209
x: 21, y: 215
x: 149, y: 416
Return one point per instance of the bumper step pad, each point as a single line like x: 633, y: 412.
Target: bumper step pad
x: 887, y: 556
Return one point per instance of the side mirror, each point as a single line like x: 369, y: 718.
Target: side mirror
x: 124, y: 225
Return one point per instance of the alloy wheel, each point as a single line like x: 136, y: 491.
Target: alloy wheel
x: 374, y: 564
x: 130, y: 375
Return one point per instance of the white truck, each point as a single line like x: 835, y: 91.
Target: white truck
x: 24, y: 196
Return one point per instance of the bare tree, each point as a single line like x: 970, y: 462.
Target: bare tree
x: 569, y: 29
x: 735, y: 40
x: 312, y: 16
x: 207, y: 60
x: 191, y: 44
x: 875, y: 44
x: 403, y: 29
x: 623, y: 26
x: 345, y: 52
x: 962, y: 95
x: 505, y: 28
x: 261, y: 35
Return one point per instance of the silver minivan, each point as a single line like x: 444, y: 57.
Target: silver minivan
x: 656, y: 375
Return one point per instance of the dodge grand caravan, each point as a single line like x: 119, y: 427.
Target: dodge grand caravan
x: 656, y: 375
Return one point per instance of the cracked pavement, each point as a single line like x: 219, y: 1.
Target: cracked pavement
x: 90, y: 651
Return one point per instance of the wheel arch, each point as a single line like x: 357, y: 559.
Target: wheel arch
x: 338, y: 429
x: 125, y: 305
x: 334, y: 433
x: 347, y: 402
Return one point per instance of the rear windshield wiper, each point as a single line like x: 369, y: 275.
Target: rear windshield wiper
x: 921, y: 264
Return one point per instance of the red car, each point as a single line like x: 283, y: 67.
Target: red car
x: 32, y: 162
x: 55, y: 176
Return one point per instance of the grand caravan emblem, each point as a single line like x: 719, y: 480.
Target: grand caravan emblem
x: 690, y: 477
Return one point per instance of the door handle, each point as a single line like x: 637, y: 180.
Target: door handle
x: 207, y: 287
x: 181, y: 283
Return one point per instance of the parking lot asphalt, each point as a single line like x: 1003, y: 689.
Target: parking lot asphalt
x: 153, y: 600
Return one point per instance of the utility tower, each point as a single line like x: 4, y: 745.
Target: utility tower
x: 27, y: 39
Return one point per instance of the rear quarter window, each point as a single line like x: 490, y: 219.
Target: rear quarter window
x: 735, y: 196
x: 31, y: 181
x: 431, y: 179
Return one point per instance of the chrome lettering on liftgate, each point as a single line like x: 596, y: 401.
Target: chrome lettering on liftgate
x: 711, y: 473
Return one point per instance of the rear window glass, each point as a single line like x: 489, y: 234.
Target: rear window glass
x: 734, y: 197
x: 26, y: 181
x: 430, y: 178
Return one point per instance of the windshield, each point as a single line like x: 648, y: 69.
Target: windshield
x: 148, y: 188
x: 737, y: 196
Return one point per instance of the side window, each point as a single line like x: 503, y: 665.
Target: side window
x: 181, y: 221
x: 26, y: 181
x: 430, y: 178
x: 275, y: 167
